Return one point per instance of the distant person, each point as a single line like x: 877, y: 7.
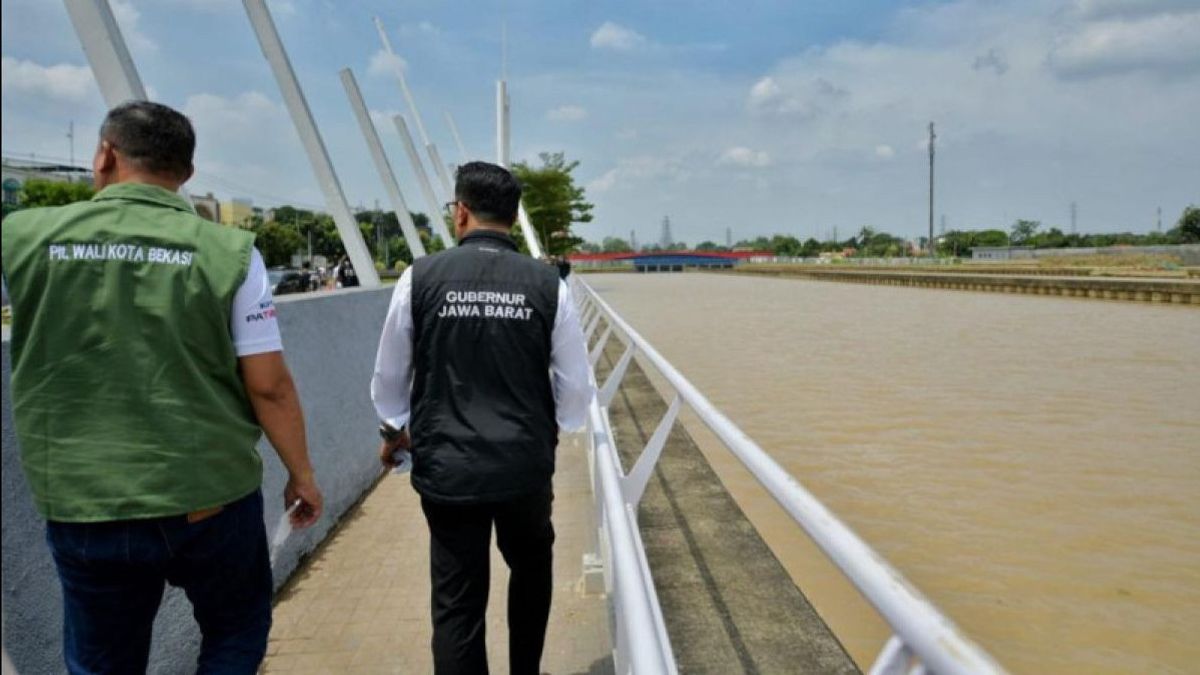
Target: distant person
x: 564, y: 266
x: 311, y: 280
x: 483, y: 358
x: 345, y: 274
x: 146, y: 363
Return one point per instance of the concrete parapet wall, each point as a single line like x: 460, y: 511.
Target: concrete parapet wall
x: 1182, y: 292
x: 329, y: 341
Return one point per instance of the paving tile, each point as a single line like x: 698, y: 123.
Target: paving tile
x: 361, y: 603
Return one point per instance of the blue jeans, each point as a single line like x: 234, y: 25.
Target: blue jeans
x: 113, y: 575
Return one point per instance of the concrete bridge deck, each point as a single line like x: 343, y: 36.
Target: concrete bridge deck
x: 360, y: 602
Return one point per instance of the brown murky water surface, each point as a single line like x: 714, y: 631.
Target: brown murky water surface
x: 1032, y: 464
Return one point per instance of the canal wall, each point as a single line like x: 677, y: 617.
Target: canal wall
x: 728, y: 603
x: 330, y: 341
x: 1169, y: 291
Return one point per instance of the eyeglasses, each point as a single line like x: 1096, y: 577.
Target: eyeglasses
x: 449, y: 208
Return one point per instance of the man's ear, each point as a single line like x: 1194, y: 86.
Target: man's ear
x: 106, y: 158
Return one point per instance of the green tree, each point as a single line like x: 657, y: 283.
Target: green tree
x: 615, y: 245
x: 553, y: 201
x: 757, y: 244
x: 1052, y: 238
x: 991, y: 238
x: 277, y: 243
x: 811, y: 248
x: 864, y: 236
x: 1187, y: 230
x: 1023, y: 231
x: 589, y: 247
x: 709, y: 246
x: 785, y: 245
x: 38, y: 192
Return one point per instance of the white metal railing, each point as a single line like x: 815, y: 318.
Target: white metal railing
x: 923, y: 640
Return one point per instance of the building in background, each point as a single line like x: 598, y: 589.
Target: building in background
x: 15, y: 172
x: 236, y: 211
x: 207, y: 207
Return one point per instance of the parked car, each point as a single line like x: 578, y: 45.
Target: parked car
x: 285, y: 281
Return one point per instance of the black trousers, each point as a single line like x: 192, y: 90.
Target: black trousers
x: 459, y: 554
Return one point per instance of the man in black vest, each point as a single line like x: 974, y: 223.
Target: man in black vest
x: 483, y: 359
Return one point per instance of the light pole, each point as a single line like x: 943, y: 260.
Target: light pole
x: 932, y: 138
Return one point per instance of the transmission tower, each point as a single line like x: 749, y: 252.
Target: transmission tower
x: 1158, y: 227
x: 729, y: 233
x: 666, y: 239
x: 1074, y: 216
x: 633, y: 240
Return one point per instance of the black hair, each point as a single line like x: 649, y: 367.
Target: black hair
x: 490, y: 191
x: 154, y: 137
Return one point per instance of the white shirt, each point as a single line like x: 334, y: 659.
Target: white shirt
x: 570, y: 372
x: 252, y: 323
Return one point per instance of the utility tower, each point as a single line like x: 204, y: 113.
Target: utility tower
x: 932, y: 138
x: 633, y: 240
x: 729, y: 237
x: 1074, y: 216
x: 666, y: 240
x: 1158, y: 227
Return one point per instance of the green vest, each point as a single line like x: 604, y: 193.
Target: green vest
x: 125, y: 385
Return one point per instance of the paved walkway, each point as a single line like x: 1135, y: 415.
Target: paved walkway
x: 360, y: 604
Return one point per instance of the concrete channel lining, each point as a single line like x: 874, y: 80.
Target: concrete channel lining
x: 729, y: 604
x: 1166, y: 291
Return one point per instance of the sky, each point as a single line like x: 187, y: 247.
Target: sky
x: 761, y: 116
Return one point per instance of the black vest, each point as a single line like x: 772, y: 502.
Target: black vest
x: 483, y: 425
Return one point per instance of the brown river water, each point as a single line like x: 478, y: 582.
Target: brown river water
x: 1032, y: 464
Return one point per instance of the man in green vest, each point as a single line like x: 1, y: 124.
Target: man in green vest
x: 146, y: 363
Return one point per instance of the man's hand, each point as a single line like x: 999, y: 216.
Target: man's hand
x: 386, y: 448
x: 303, y: 488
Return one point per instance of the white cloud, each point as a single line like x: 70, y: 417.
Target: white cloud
x: 1029, y: 139
x: 566, y: 113
x: 764, y: 92
x: 241, y: 143
x: 626, y: 134
x: 127, y: 17
x: 642, y: 170
x: 993, y: 60
x: 1102, y: 9
x: 745, y: 157
x: 60, y: 82
x: 801, y: 98
x: 605, y: 182
x: 383, y: 63
x: 420, y: 28
x: 383, y: 120
x: 283, y: 8
x: 617, y: 37
x: 1164, y: 42
x: 247, y: 113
